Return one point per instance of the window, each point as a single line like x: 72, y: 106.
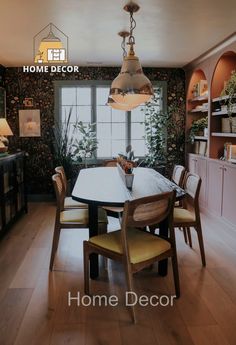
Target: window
x: 115, y: 129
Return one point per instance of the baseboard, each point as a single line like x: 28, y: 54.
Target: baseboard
x: 219, y: 219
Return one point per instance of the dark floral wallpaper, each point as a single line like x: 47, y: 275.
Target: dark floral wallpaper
x: 39, y: 86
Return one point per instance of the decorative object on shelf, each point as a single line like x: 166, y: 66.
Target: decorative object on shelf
x: 232, y: 153
x: 125, y: 170
x: 2, y: 102
x: 229, y: 99
x: 29, y: 123
x: 200, y: 89
x: 28, y: 102
x: 226, y: 125
x: 5, y: 130
x: 202, y: 148
x: 197, y: 128
x: 226, y: 151
x: 131, y: 87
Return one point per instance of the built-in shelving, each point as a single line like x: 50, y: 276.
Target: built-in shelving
x: 221, y: 112
x: 200, y: 137
x: 226, y: 135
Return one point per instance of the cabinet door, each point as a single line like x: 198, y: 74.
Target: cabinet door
x: 229, y: 194
x: 201, y: 170
x: 215, y: 183
x: 192, y: 161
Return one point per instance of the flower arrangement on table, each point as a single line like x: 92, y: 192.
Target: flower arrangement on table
x: 127, y: 166
x: 125, y: 169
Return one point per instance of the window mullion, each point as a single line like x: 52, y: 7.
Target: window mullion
x: 128, y: 128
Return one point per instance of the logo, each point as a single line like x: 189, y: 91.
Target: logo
x: 50, y: 46
x: 50, y: 52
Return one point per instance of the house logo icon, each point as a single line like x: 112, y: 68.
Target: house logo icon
x: 50, y: 46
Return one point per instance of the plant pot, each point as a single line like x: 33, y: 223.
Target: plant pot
x: 233, y: 124
x: 200, y: 133
x: 226, y: 125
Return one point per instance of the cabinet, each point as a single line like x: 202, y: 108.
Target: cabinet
x: 215, y: 186
x: 229, y: 193
x: 13, y: 198
x: 198, y: 165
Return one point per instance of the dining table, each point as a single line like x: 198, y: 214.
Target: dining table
x: 103, y: 186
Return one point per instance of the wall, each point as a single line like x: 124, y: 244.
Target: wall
x: 39, y: 86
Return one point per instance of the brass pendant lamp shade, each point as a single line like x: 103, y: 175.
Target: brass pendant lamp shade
x: 118, y: 106
x: 131, y: 87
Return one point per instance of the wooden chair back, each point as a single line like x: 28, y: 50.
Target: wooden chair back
x: 61, y: 171
x: 192, y: 185
x: 178, y: 175
x: 59, y: 190
x: 145, y: 212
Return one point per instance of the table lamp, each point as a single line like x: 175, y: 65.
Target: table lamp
x: 5, y: 130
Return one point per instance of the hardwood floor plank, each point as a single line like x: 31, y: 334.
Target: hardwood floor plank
x: 72, y: 334
x: 209, y: 335
x: 13, y: 307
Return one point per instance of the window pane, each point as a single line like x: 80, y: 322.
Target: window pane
x: 118, y: 131
x: 65, y: 111
x: 84, y: 95
x: 102, y: 95
x: 104, y: 131
x: 104, y: 148
x: 68, y: 96
x: 103, y: 114
x: 84, y: 113
x: 137, y: 115
x: 118, y: 146
x: 138, y: 147
x: 137, y: 130
x: 118, y: 115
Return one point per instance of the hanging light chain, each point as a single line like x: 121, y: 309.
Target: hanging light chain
x: 132, y: 27
x: 123, y: 47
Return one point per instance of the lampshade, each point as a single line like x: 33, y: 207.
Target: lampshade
x: 5, y: 128
x: 131, y: 86
x: 119, y: 106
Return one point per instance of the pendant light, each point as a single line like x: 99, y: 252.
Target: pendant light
x: 113, y: 104
x: 131, y: 87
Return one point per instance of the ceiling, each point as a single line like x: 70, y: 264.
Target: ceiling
x: 169, y: 33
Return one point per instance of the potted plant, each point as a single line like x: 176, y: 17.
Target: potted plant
x: 155, y: 128
x: 230, y: 92
x: 197, y: 128
x: 86, y: 146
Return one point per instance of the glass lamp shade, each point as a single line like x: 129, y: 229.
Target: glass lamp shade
x: 131, y: 86
x: 119, y: 106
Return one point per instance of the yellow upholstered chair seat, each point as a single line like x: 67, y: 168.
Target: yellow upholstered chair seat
x: 182, y: 215
x: 81, y: 216
x: 142, y: 246
x: 71, y: 203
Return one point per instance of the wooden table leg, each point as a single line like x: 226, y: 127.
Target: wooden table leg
x: 163, y: 265
x: 93, y: 231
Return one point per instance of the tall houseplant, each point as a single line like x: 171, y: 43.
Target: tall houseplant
x: 230, y: 100
x: 155, y: 131
x: 63, y: 142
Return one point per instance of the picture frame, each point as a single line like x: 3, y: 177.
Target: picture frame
x: 2, y: 102
x: 28, y: 102
x: 29, y: 123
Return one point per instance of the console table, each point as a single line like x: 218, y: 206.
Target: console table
x: 13, y: 197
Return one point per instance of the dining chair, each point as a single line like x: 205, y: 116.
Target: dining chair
x: 68, y: 201
x: 70, y: 218
x: 178, y: 175
x: 189, y: 215
x: 137, y: 249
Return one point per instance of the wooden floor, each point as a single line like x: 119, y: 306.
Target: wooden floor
x: 34, y: 303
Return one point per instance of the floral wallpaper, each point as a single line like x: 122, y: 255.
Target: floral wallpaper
x: 39, y: 86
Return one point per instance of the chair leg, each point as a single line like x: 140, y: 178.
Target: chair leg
x: 176, y: 274
x: 189, y: 237
x: 185, y: 235
x: 201, y: 244
x: 129, y: 280
x: 86, y: 268
x: 55, y: 241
